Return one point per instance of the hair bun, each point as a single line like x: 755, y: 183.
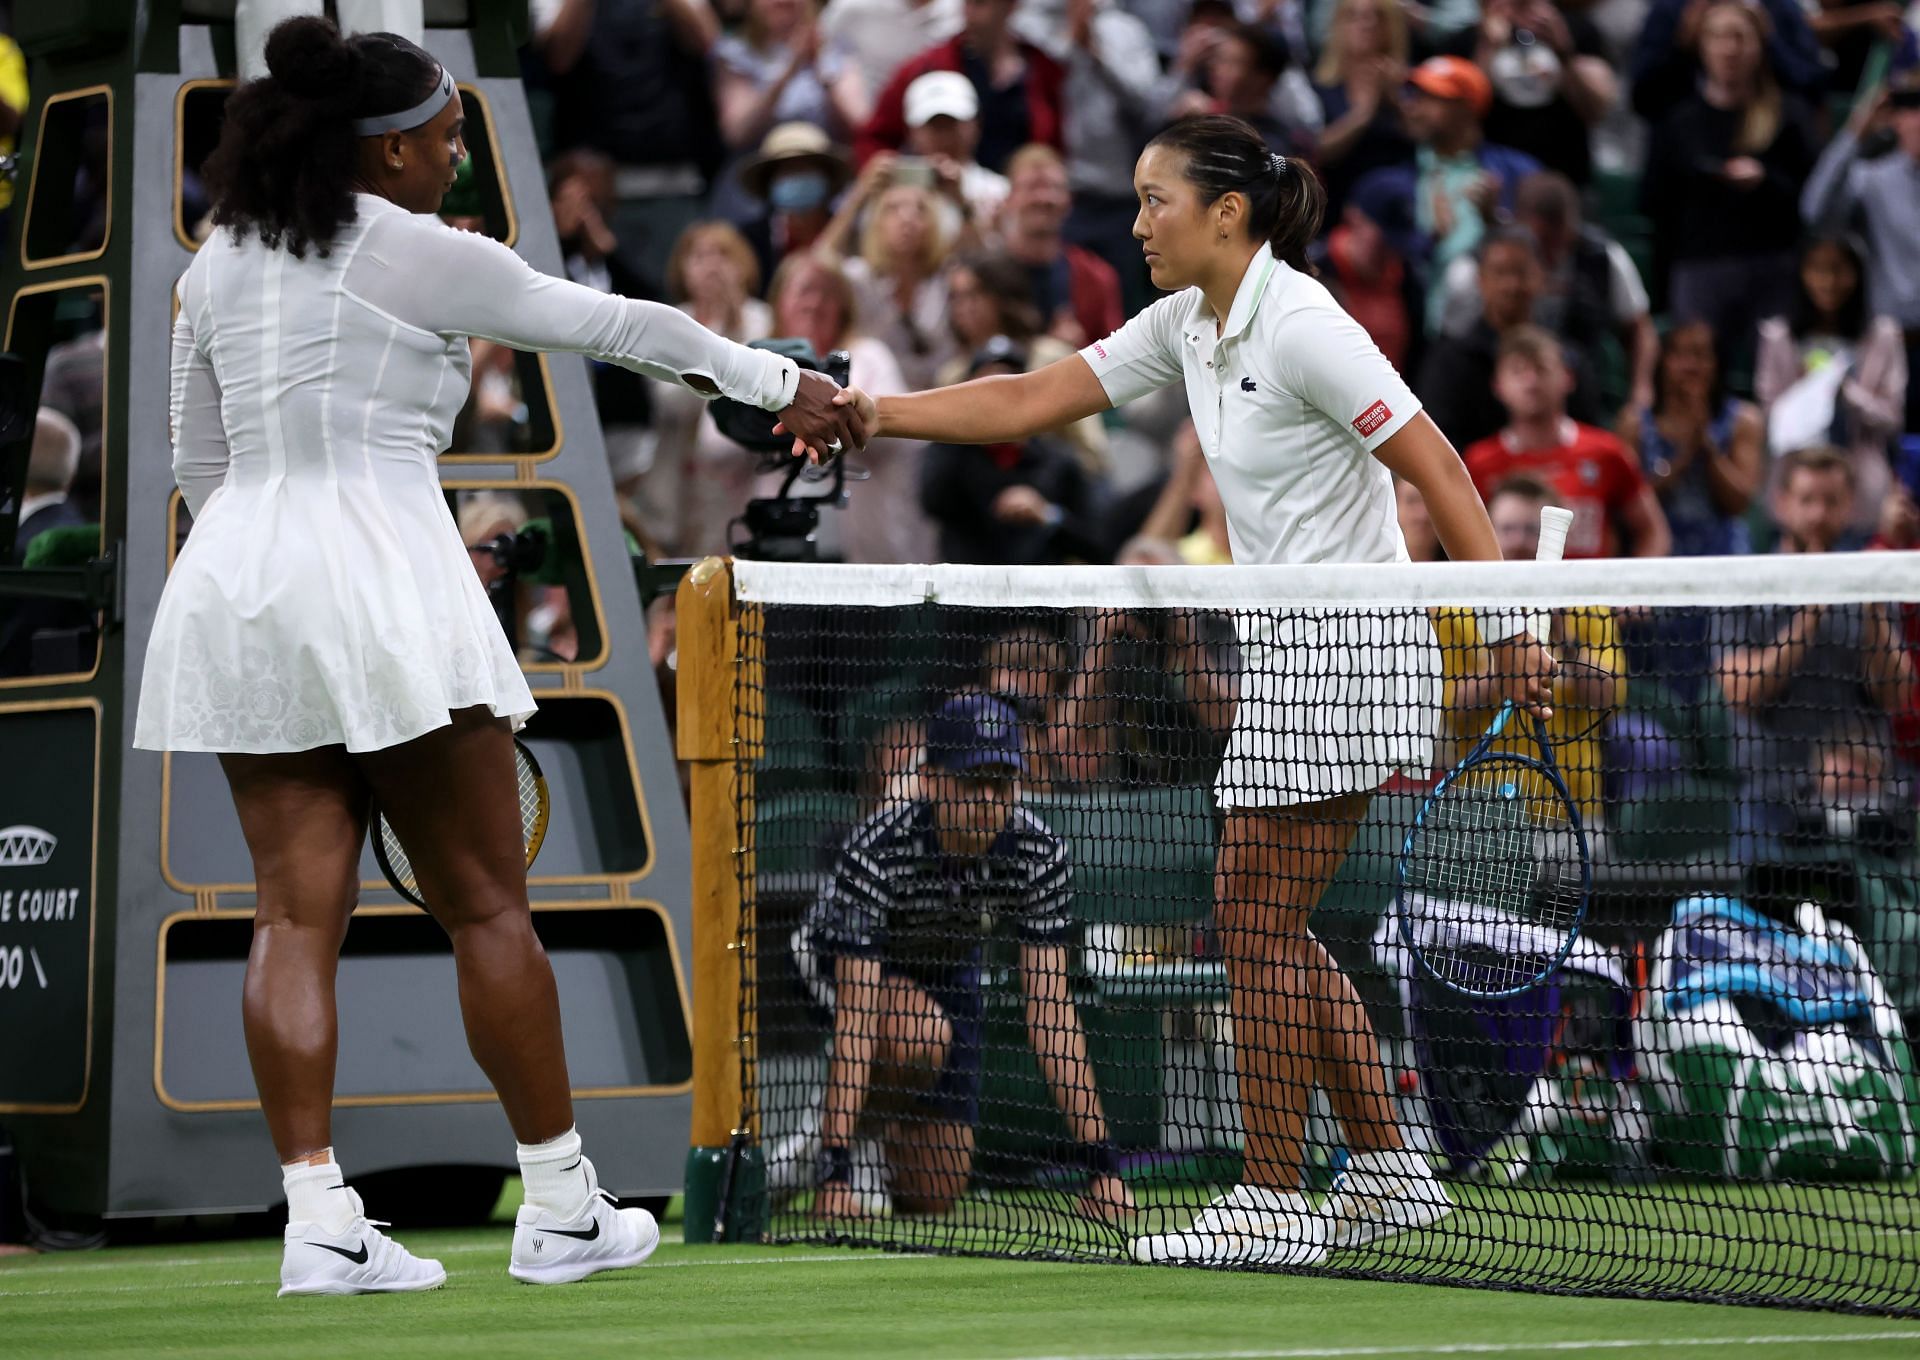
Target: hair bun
x: 310, y: 60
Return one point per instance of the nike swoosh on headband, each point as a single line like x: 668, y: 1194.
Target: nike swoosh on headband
x: 408, y: 118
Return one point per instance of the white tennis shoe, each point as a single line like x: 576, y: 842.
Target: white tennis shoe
x: 1382, y: 1194
x: 359, y: 1259
x: 550, y: 1250
x: 1248, y: 1226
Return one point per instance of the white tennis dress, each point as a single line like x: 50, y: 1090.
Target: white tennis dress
x: 1290, y: 398
x: 324, y: 595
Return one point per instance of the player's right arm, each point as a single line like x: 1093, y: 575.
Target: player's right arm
x: 1141, y: 357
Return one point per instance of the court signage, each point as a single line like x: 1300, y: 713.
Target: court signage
x: 46, y: 908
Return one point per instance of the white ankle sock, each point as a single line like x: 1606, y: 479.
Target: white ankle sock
x: 317, y: 1193
x: 554, y: 1175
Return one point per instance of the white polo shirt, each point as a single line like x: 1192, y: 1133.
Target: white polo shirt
x: 1291, y: 397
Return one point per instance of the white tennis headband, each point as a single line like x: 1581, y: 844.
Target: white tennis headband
x: 408, y: 118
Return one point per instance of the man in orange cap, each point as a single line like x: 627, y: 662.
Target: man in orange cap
x: 1437, y: 207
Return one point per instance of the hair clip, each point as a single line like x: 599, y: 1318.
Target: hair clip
x: 1277, y: 163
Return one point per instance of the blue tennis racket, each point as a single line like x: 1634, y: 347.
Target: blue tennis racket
x: 1495, y: 875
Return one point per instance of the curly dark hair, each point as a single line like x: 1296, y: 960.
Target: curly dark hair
x: 287, y: 157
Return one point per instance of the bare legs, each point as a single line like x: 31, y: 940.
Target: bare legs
x: 1297, y: 1019
x: 451, y: 796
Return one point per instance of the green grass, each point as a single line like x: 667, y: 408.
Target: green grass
x: 217, y: 1299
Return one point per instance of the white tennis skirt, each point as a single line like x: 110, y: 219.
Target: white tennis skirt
x: 1332, y: 702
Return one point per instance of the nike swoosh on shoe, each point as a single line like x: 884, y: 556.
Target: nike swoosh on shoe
x: 359, y: 1258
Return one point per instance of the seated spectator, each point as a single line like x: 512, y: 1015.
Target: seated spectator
x: 1370, y: 281
x: 1590, y: 287
x: 1723, y: 182
x: 52, y: 460
x: 698, y: 479
x: 1884, y: 195
x: 580, y: 188
x: 887, y: 950
x: 1702, y: 450
x: 1416, y: 523
x: 943, y: 129
x: 1834, y: 373
x: 989, y: 294
x: 1438, y: 206
x: 796, y: 175
x: 1812, y: 687
x: 1023, y: 504
x: 1114, y: 91
x: 1615, y: 512
x: 882, y: 521
x: 898, y: 276
x: 631, y: 81
x: 1359, y: 76
x: 1667, y: 59
x: 881, y: 36
x: 1020, y: 88
x: 75, y: 385
x: 1590, y: 681
x: 1077, y: 292
x: 1242, y: 78
x: 1456, y: 381
x: 1550, y: 77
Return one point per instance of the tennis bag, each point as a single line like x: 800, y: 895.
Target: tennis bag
x: 1770, y: 1050
x: 1531, y: 1086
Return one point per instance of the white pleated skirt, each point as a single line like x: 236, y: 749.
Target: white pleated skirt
x: 308, y: 612
x: 1332, y: 702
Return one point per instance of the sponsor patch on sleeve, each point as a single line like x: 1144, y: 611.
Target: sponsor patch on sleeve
x: 1372, y: 418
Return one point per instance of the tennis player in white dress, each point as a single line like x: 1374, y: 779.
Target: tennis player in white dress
x: 1303, y: 422
x: 323, y: 629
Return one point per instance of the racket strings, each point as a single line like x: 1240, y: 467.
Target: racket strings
x: 534, y: 811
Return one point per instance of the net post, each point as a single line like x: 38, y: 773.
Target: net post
x: 723, y: 1166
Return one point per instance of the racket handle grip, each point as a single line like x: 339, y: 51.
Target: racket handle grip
x: 1554, y: 523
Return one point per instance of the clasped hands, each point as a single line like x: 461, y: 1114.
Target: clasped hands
x: 825, y: 419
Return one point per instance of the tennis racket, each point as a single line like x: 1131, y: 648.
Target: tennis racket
x: 1495, y: 875
x: 536, y: 807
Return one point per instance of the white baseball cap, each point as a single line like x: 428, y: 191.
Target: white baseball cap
x: 941, y: 92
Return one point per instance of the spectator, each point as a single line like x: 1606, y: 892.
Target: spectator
x: 1551, y: 82
x: 1242, y: 78
x: 1077, y: 293
x: 699, y: 479
x: 1020, y: 87
x: 1849, y: 31
x: 52, y: 459
x: 1010, y: 504
x: 776, y: 70
x: 1371, y: 282
x: 630, y: 80
x: 1811, y: 687
x: 879, y: 36
x: 1884, y: 194
x: 796, y: 174
x: 1358, y: 79
x: 581, y: 190
x: 1113, y: 88
x: 1723, y: 182
x: 1590, y: 289
x: 1416, y: 523
x: 1590, y: 680
x: 943, y: 128
x: 75, y: 385
x: 1457, y: 377
x: 1847, y: 366
x: 898, y: 277
x: 1189, y: 514
x: 1701, y: 449
x: 882, y: 522
x: 1666, y: 65
x: 1438, y: 206
x: 988, y: 294
x: 1615, y: 512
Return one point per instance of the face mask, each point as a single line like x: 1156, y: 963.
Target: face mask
x: 798, y: 193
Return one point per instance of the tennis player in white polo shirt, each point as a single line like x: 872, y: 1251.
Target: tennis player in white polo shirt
x: 1303, y: 421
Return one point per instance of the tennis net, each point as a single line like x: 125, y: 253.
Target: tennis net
x: 1035, y: 963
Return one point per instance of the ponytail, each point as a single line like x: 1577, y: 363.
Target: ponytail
x: 1285, y: 199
